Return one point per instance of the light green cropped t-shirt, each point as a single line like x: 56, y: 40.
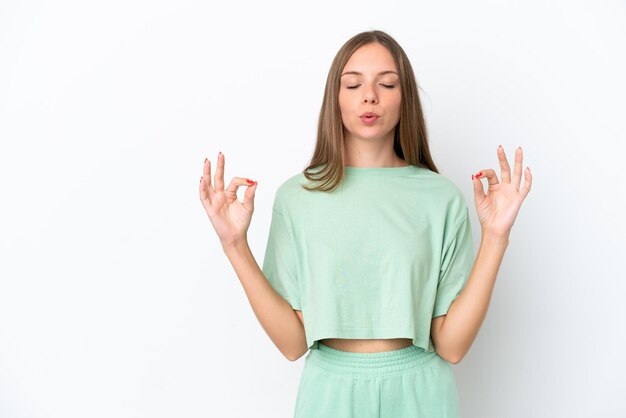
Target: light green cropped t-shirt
x: 379, y: 257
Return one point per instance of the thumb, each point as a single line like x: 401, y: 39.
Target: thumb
x: 479, y: 192
x: 248, y: 197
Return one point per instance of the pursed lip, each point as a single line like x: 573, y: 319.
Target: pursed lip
x: 369, y: 114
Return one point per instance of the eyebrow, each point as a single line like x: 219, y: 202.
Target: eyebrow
x: 358, y: 73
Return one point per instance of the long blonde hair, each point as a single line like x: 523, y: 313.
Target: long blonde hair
x: 410, y: 137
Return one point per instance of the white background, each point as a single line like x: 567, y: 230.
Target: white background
x: 116, y: 299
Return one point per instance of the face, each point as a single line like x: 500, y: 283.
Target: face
x: 370, y: 83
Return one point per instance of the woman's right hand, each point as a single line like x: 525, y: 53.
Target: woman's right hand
x: 230, y: 217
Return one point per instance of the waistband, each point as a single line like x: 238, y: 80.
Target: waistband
x: 370, y: 364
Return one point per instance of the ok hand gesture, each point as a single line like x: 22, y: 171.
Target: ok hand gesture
x: 498, y: 209
x: 230, y: 217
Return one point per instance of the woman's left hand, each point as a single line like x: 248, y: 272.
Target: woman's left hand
x: 498, y: 209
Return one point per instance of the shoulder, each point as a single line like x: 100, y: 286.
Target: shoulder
x: 448, y: 195
x: 291, y: 185
x: 441, y: 187
x: 288, y: 190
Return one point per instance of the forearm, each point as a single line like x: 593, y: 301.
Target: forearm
x: 275, y: 314
x: 467, y: 312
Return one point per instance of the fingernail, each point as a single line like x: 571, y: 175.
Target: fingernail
x: 250, y: 181
x: 500, y: 146
x: 472, y: 177
x: 479, y: 174
x: 205, y: 160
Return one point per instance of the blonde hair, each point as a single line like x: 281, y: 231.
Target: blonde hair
x: 410, y: 136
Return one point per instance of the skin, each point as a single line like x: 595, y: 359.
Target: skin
x: 371, y: 146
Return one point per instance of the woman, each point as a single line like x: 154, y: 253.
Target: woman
x: 369, y: 264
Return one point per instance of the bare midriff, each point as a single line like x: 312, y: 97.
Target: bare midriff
x: 366, y: 346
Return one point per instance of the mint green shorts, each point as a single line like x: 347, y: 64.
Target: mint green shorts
x: 403, y: 383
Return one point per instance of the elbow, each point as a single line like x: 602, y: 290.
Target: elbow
x: 290, y: 356
x: 455, y: 360
x: 297, y: 352
x: 452, y: 358
x: 293, y: 357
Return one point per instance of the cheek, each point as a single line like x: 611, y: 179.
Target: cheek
x: 342, y: 101
x: 397, y: 104
x: 344, y: 107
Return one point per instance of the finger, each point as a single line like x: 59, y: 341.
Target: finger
x: 234, y: 184
x: 504, y: 165
x: 517, y: 170
x: 489, y: 174
x: 528, y: 181
x: 219, y: 173
x: 206, y: 189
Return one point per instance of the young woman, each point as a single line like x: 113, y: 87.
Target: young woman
x: 369, y: 264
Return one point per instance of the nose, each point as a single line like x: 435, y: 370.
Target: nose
x: 370, y: 96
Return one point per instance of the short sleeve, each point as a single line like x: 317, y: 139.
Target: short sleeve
x: 280, y: 262
x: 456, y: 266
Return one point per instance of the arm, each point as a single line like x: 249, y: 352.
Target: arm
x: 231, y: 220
x: 301, y: 318
x: 277, y: 317
x: 454, y: 333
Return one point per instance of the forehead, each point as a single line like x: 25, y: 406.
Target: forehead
x: 371, y: 58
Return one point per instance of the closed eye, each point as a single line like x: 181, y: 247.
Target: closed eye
x: 389, y: 86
